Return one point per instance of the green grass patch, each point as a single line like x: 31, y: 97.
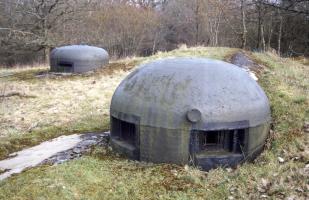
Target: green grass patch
x: 220, y: 53
x: 24, y: 74
x: 300, y: 99
x: 101, y: 179
x: 285, y: 86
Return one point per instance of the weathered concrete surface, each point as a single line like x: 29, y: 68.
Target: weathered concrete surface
x: 35, y: 155
x: 166, y: 101
x: 55, y: 151
x: 160, y: 94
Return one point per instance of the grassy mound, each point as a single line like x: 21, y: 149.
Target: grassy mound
x: 102, y: 175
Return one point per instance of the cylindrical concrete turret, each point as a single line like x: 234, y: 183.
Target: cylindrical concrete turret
x: 77, y: 58
x: 181, y: 109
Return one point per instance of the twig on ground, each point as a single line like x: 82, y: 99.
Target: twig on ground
x: 6, y: 75
x: 33, y: 126
x: 11, y: 94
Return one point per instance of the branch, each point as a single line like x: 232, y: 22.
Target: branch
x: 18, y: 31
x: 285, y: 8
x: 53, y: 6
x: 11, y: 94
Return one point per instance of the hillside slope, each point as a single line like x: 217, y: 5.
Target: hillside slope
x: 64, y: 105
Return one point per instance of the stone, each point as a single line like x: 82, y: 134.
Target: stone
x: 263, y: 196
x: 280, y: 159
x: 76, y: 150
x: 306, y: 127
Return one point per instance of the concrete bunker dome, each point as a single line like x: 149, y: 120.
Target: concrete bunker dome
x: 178, y: 110
x: 77, y: 58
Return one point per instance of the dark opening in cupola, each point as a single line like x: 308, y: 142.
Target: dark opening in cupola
x: 219, y: 141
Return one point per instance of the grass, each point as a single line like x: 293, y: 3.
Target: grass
x: 103, y: 175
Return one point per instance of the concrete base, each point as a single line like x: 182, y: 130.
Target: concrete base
x: 125, y: 148
x: 213, y: 161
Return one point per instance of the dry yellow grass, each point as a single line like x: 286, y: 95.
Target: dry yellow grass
x: 51, y: 105
x: 55, y: 102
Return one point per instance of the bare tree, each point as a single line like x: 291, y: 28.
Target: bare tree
x: 244, y: 27
x: 279, y: 33
x: 35, y: 20
x: 30, y: 28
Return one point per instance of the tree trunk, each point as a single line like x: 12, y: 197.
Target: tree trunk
x: 154, y: 45
x: 280, y: 34
x: 263, y: 38
x: 46, y: 54
x: 270, y: 33
x: 217, y: 29
x: 47, y: 48
x: 259, y: 27
x: 244, y: 28
x: 197, y: 23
